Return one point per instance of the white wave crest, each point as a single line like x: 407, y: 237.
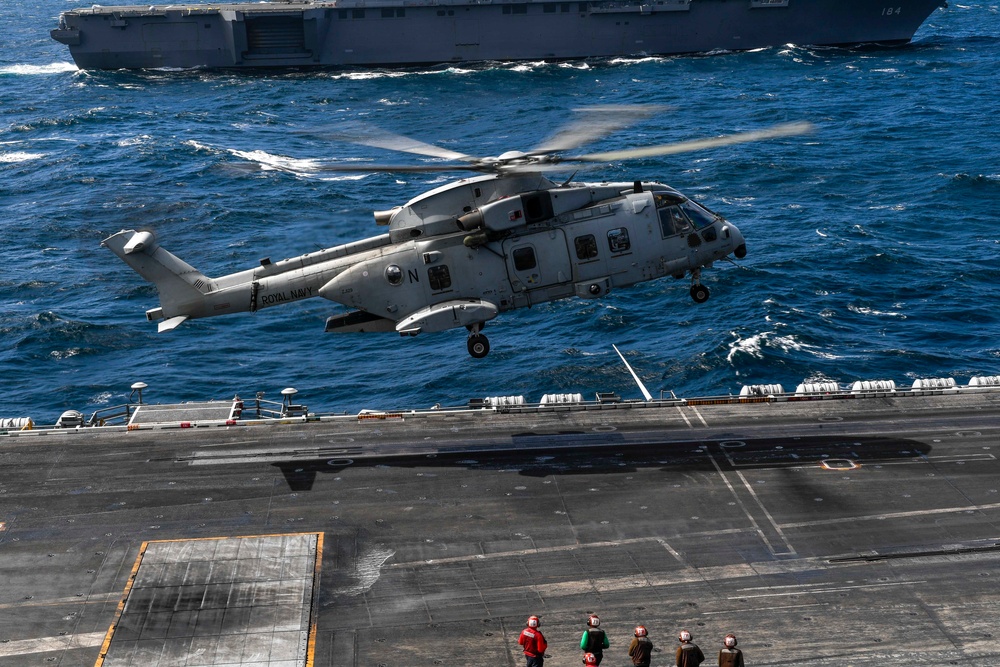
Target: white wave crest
x: 133, y: 141
x: 34, y: 70
x: 305, y: 167
x: 19, y: 156
x: 755, y: 344
x: 383, y: 74
x: 636, y: 61
x: 864, y: 310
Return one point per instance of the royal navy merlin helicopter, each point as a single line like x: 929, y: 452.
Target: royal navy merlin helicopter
x: 462, y: 253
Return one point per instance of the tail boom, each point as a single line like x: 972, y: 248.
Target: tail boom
x: 185, y: 293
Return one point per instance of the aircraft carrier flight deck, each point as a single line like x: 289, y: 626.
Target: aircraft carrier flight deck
x: 860, y: 530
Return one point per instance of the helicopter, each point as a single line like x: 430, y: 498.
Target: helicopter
x: 461, y: 254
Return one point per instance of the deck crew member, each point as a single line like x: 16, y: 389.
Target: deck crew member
x: 688, y: 653
x: 641, y: 648
x: 533, y: 642
x: 729, y: 655
x: 594, y: 640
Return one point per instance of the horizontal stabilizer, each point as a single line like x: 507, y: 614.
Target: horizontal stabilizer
x: 358, y: 321
x: 171, y: 324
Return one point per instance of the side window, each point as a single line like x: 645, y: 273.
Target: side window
x: 618, y: 240
x: 586, y: 247
x: 439, y: 277
x: 524, y: 258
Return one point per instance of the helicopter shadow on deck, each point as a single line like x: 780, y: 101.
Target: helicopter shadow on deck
x: 570, y: 453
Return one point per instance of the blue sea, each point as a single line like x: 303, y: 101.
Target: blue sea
x: 873, y: 243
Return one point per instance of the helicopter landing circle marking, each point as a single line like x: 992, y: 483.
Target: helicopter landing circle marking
x: 831, y: 419
x: 732, y: 444
x: 968, y: 434
x: 604, y: 428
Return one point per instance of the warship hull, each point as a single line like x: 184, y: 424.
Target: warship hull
x: 349, y: 33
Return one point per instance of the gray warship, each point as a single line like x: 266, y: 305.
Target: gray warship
x: 346, y: 33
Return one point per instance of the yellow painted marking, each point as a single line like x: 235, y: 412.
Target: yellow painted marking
x: 121, y: 606
x: 314, y: 611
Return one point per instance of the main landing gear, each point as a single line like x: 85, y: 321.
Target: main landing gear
x: 699, y: 292
x: 479, y: 345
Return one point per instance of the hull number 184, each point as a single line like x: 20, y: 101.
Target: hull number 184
x: 891, y: 11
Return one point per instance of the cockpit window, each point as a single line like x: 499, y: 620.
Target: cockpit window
x: 699, y: 216
x: 664, y: 199
x: 673, y: 221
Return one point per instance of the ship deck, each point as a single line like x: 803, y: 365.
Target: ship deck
x: 829, y: 532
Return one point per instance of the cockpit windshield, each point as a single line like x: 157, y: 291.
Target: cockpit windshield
x: 678, y: 214
x: 698, y: 215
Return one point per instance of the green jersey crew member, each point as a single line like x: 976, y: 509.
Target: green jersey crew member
x: 594, y: 640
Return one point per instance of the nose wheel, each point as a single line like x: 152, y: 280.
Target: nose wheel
x: 479, y: 345
x: 699, y: 292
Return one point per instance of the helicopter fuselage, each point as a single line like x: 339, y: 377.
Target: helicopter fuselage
x: 459, y: 255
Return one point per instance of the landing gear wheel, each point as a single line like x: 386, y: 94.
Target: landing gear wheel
x: 699, y: 293
x: 479, y: 345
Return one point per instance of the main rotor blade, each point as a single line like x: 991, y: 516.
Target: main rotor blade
x: 596, y: 122
x: 366, y: 135
x: 402, y: 168
x: 785, y: 130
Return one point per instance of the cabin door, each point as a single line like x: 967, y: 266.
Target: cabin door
x: 538, y: 260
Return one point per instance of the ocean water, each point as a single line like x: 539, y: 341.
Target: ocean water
x: 873, y: 243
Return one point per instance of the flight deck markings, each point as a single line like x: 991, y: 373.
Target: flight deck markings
x: 759, y: 527
x: 698, y: 414
x: 893, y: 515
x: 219, y: 601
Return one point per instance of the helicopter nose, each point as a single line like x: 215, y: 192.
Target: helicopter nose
x: 738, y: 245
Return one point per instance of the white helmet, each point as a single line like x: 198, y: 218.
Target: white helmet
x: 532, y: 621
x: 684, y: 636
x: 730, y: 640
x: 640, y: 631
x: 593, y: 621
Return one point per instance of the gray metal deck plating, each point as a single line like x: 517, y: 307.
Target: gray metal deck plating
x: 849, y: 532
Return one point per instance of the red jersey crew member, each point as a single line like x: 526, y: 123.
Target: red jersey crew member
x: 594, y: 640
x: 533, y: 642
x: 729, y: 655
x: 641, y: 648
x: 688, y: 653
